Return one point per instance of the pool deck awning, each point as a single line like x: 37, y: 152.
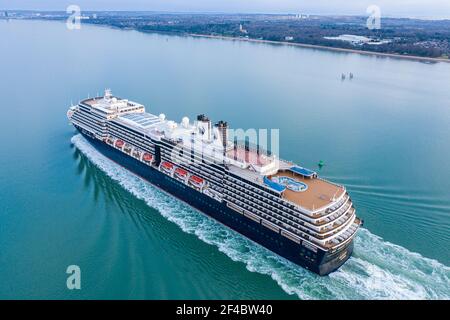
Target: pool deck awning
x: 273, y: 185
x: 303, y: 171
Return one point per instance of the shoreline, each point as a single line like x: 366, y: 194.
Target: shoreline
x: 285, y: 43
x: 314, y: 46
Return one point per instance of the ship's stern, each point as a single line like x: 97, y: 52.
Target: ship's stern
x: 333, y: 260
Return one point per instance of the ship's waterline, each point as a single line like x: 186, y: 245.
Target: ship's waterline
x: 378, y: 270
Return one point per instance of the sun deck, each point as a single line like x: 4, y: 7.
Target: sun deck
x: 102, y: 104
x: 110, y: 104
x: 91, y: 101
x: 318, y: 194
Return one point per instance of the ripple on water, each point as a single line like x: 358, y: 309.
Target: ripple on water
x: 378, y: 269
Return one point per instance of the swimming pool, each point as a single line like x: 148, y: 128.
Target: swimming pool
x: 291, y: 184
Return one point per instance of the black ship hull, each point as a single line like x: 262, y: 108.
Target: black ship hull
x: 320, y: 262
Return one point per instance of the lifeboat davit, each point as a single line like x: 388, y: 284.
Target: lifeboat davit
x: 127, y: 148
x: 181, y: 172
x: 119, y: 143
x: 136, y: 154
x: 147, y: 157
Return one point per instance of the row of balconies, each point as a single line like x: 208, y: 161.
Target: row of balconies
x: 134, y: 136
x: 344, y: 236
x: 323, y: 233
x: 266, y: 203
x: 208, y: 172
x: 330, y: 209
x: 282, y: 202
x: 349, y: 217
x: 283, y: 223
x: 278, y: 222
x: 128, y: 137
x: 340, y: 222
x: 84, y: 127
x: 83, y: 118
x: 95, y: 114
x: 132, y: 141
x: 335, y: 214
x: 281, y: 216
x: 274, y: 204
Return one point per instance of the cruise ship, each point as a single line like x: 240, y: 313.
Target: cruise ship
x: 278, y: 204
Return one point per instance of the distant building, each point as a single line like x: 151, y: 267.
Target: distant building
x: 242, y: 30
x: 288, y: 38
x: 301, y: 16
x: 357, y: 40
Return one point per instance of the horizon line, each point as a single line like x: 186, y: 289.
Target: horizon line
x: 392, y: 16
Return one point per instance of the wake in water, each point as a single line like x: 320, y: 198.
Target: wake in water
x: 377, y: 269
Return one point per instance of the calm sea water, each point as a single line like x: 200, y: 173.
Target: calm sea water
x: 385, y: 135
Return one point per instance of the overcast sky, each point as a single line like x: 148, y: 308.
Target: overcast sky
x: 409, y: 8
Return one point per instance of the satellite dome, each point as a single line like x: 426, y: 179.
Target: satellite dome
x: 185, y: 122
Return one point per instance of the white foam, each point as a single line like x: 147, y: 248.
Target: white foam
x: 378, y: 269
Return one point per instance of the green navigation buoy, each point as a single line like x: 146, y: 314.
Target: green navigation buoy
x: 320, y: 164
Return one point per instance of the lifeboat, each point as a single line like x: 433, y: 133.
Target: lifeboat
x: 119, y: 143
x: 147, y: 157
x: 167, y: 166
x: 181, y: 172
x: 196, y: 181
x: 109, y: 141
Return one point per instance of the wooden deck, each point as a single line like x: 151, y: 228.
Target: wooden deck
x: 319, y: 193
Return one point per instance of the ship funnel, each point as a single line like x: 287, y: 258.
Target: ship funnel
x: 222, y: 127
x: 204, y: 127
